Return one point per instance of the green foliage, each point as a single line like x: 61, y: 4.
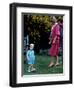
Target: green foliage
x: 36, y: 25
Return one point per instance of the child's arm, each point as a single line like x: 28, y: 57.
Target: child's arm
x: 33, y: 55
x: 27, y: 55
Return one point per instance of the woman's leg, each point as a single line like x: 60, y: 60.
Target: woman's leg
x: 51, y: 62
x: 57, y: 60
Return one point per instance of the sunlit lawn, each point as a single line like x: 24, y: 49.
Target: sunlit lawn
x: 41, y: 66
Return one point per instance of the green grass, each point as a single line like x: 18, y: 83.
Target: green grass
x: 41, y: 65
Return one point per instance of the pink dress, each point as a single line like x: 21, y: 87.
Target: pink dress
x: 55, y: 32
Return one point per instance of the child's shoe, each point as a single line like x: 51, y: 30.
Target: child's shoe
x: 33, y: 69
x: 29, y: 70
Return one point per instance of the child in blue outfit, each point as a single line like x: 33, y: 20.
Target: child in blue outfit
x: 31, y: 58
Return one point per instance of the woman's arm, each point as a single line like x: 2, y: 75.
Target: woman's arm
x: 54, y: 40
x: 50, y: 39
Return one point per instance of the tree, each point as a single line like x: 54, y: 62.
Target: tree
x: 38, y: 27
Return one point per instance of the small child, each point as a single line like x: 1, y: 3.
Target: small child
x: 31, y: 58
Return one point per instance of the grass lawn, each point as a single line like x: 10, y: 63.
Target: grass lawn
x: 41, y: 66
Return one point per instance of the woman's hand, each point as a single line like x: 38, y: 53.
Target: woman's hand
x: 49, y: 42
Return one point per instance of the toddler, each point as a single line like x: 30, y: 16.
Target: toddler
x: 31, y: 58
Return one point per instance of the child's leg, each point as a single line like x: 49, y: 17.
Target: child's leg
x: 29, y: 68
x: 33, y: 68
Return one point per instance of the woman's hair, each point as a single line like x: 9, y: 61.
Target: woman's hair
x: 54, y: 19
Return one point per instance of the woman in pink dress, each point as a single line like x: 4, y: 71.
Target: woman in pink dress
x: 55, y: 43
